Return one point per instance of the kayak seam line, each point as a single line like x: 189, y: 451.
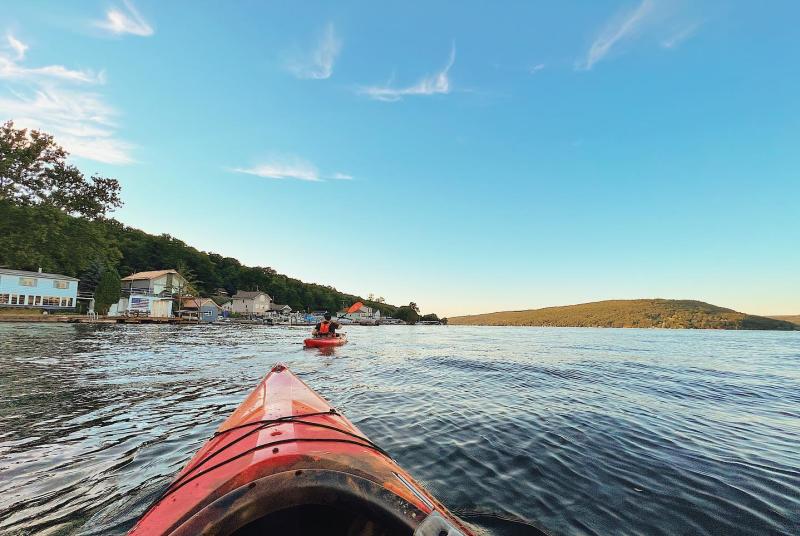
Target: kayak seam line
x: 172, y: 490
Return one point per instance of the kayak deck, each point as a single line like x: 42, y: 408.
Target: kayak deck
x: 286, y: 462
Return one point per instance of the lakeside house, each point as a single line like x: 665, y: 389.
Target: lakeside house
x: 20, y: 288
x: 250, y: 303
x: 149, y: 293
x: 203, y: 309
x: 363, y: 315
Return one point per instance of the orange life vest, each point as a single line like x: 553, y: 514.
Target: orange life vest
x: 324, y: 327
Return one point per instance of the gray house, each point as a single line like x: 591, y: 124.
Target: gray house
x: 204, y: 309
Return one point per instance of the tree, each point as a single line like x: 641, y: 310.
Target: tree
x: 107, y: 292
x: 34, y: 171
x: 414, y: 307
x: 407, y: 314
x: 90, y: 278
x: 430, y: 318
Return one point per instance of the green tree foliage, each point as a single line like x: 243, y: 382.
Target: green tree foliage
x: 90, y: 277
x: 408, y: 313
x: 33, y: 237
x: 107, y: 292
x: 432, y: 317
x: 34, y: 171
x: 655, y: 313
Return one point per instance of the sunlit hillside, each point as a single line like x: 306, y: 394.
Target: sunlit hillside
x: 649, y: 313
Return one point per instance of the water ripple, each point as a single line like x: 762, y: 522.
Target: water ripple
x: 519, y: 430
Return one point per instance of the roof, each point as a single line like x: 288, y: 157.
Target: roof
x: 154, y: 274
x: 44, y: 275
x: 248, y: 294
x: 277, y: 307
x: 196, y: 303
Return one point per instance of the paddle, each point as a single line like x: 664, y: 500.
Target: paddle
x: 353, y: 308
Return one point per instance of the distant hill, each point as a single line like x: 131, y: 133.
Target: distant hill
x: 794, y: 319
x: 652, y: 313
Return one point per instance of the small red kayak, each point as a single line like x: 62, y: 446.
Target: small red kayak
x: 287, y: 463
x: 325, y: 342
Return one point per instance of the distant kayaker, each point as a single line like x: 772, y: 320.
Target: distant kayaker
x: 326, y: 328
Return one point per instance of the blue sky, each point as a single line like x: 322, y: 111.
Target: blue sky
x: 471, y: 157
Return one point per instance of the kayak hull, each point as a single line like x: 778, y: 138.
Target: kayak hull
x: 325, y: 342
x: 285, y: 448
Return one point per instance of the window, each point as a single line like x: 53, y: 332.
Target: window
x: 63, y: 302
x: 13, y: 299
x: 38, y: 300
x: 27, y: 281
x: 60, y: 284
x: 30, y: 300
x: 51, y: 301
x: 69, y: 302
x: 4, y: 299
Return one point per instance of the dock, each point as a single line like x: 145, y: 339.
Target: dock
x: 87, y: 319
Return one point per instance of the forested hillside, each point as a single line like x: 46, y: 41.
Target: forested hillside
x: 654, y: 313
x: 41, y: 236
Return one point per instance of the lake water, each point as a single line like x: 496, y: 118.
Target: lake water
x: 576, y: 431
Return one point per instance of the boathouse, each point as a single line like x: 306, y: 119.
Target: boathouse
x: 19, y: 288
x: 202, y: 309
x: 149, y: 294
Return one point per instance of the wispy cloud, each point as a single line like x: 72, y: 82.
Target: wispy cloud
x: 622, y: 27
x: 317, y: 64
x: 17, y: 46
x: 125, y: 20
x: 290, y: 167
x: 436, y: 84
x: 680, y: 36
x: 536, y: 68
x: 12, y: 70
x: 57, y: 100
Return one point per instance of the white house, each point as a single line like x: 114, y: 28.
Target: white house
x: 149, y: 293
x: 250, y: 302
x: 364, y: 315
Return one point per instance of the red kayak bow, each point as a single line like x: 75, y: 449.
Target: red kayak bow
x: 287, y: 463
